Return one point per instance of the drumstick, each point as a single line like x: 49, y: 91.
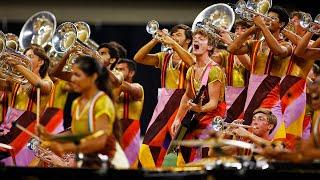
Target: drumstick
x: 27, y: 131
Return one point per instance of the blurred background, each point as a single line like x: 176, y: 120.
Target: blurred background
x: 124, y: 21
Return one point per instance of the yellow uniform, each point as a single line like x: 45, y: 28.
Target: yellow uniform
x: 134, y: 106
x: 173, y: 76
x: 83, y: 120
x: 59, y: 96
x: 264, y: 61
x: 24, y: 97
x: 299, y: 67
x: 235, y: 72
x: 215, y: 74
x: 127, y: 128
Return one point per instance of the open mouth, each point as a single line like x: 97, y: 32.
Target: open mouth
x: 195, y: 46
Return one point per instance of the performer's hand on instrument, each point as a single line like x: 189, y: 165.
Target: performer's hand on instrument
x: 225, y: 37
x: 42, y: 132
x: 174, y: 127
x: 57, y: 148
x: 11, y: 60
x: 240, y: 131
x: 238, y: 121
x: 258, y: 21
x: 194, y: 107
x: 315, y: 27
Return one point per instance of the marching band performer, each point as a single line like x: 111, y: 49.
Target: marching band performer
x: 173, y: 69
x: 92, y: 111
x: 269, y: 61
x: 204, y: 72
x: 23, y: 96
x: 293, y: 89
x: 237, y: 70
x: 128, y: 99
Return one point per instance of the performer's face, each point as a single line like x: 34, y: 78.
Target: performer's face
x: 127, y: 74
x: 297, y: 26
x: 35, y: 60
x: 80, y: 80
x: 296, y: 21
x: 261, y: 124
x: 200, y: 45
x: 275, y: 24
x: 104, y: 53
x: 240, y: 30
x: 179, y: 36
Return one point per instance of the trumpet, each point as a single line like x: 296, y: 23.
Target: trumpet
x: 152, y: 28
x: 307, y: 23
x: 7, y: 54
x: 65, y: 38
x: 253, y: 7
x: 219, y: 125
x: 53, y: 160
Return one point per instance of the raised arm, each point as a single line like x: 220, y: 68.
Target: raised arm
x: 245, y: 61
x: 135, y: 90
x: 238, y: 46
x: 143, y: 56
x: 294, y: 38
x: 57, y: 70
x: 183, y: 53
x: 302, y: 49
x: 45, y: 86
x: 277, y: 48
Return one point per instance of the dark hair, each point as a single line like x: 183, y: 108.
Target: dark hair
x: 282, y: 14
x: 89, y: 66
x: 211, y: 41
x: 187, y: 31
x: 113, y: 52
x: 132, y: 65
x: 296, y: 13
x: 240, y: 22
x: 41, y: 53
x: 121, y: 50
x: 316, y: 69
x: 272, y: 119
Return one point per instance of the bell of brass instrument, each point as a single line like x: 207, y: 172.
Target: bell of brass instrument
x: 83, y: 34
x: 7, y: 54
x: 53, y: 160
x: 307, y: 22
x: 219, y: 15
x: 38, y: 29
x: 12, y: 41
x: 152, y: 27
x: 215, y: 18
x: 253, y: 7
x: 65, y: 38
